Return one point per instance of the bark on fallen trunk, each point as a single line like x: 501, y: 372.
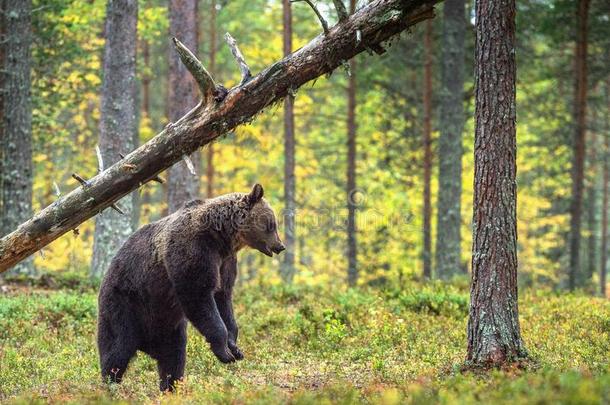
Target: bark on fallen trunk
x: 364, y: 30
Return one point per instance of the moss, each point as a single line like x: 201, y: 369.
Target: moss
x: 310, y: 346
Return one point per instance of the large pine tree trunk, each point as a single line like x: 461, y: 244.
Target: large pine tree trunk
x: 288, y: 269
x: 182, y: 184
x: 580, y: 112
x: 2, y: 78
x: 216, y: 114
x: 352, y: 258
x: 16, y: 170
x: 494, y: 336
x: 427, y: 144
x: 450, y: 141
x: 210, y: 152
x: 117, y: 123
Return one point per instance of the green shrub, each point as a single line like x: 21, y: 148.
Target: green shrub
x: 435, y: 302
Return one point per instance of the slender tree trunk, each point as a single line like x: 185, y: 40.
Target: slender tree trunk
x: 591, y: 258
x: 146, y: 77
x: 16, y: 169
x: 210, y: 151
x: 182, y: 184
x: 580, y: 112
x: 352, y: 269
x: 145, y: 107
x: 427, y: 143
x: 604, y: 243
x: 210, y: 171
x: 450, y: 142
x: 288, y: 269
x: 136, y: 198
x: 117, y: 123
x: 494, y: 335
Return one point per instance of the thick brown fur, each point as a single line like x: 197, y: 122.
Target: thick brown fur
x: 180, y: 268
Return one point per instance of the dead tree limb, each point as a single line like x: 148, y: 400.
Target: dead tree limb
x: 213, y: 117
x: 100, y: 159
x: 204, y: 79
x: 241, y: 61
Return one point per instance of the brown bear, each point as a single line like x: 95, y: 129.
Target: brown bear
x: 180, y: 268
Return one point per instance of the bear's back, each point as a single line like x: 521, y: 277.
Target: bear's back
x: 136, y: 258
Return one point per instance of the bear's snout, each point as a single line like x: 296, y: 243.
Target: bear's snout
x: 278, y: 248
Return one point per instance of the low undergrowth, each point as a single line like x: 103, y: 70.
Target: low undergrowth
x: 308, y: 346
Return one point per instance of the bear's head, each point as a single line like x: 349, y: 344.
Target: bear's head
x: 259, y: 227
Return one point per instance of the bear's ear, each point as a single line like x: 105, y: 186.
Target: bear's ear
x: 255, y: 195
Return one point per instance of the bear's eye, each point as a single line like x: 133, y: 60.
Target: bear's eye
x: 271, y: 227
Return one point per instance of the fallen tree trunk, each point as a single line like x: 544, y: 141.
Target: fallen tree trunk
x: 219, y: 112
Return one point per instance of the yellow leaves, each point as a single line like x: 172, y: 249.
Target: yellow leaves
x: 41, y: 157
x: 146, y: 131
x: 152, y: 22
x: 93, y: 79
x: 69, y: 252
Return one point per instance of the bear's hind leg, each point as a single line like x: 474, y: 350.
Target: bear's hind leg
x: 171, y: 357
x: 114, y: 365
x: 115, y: 352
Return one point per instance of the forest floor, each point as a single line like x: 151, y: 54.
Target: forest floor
x: 307, y: 345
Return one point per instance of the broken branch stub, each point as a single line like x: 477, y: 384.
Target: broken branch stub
x: 204, y: 80
x: 377, y: 21
x: 239, y: 58
x: 341, y: 10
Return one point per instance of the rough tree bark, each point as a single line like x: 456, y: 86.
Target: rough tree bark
x: 427, y: 144
x: 2, y: 78
x: 287, y: 268
x: 604, y: 240
x: 352, y: 257
x: 448, y: 226
x: 16, y: 169
x: 117, y: 123
x: 218, y: 112
x: 183, y: 181
x: 494, y: 335
x: 580, y: 112
x: 210, y: 154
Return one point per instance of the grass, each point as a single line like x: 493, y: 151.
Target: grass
x: 310, y: 346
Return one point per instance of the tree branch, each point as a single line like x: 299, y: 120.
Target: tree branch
x: 341, y: 10
x: 100, y: 160
x: 189, y: 165
x: 204, y: 80
x: 377, y: 21
x: 241, y: 61
x: 81, y: 180
x: 323, y: 22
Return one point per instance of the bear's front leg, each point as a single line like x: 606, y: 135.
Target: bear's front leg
x: 204, y: 315
x: 224, y: 302
x: 196, y: 296
x: 225, y: 307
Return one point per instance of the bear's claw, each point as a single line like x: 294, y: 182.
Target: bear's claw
x: 224, y: 355
x: 237, y: 353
